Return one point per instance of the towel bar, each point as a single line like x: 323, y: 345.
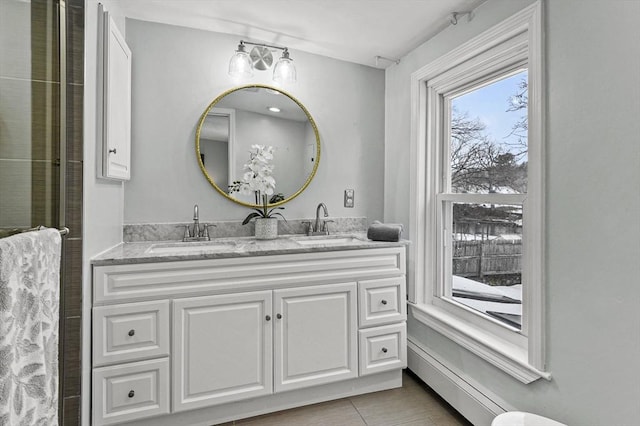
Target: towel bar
x: 63, y: 231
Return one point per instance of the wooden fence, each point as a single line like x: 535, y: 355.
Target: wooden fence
x: 488, y: 260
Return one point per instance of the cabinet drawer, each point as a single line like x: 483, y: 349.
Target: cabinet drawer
x: 382, y: 301
x: 130, y: 391
x: 130, y: 332
x: 383, y: 348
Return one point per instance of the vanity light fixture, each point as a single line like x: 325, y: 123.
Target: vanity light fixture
x: 284, y: 71
x: 242, y: 63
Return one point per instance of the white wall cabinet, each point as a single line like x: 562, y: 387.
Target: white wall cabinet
x: 115, y: 117
x: 272, y: 331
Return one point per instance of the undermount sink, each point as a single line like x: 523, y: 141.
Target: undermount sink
x: 193, y: 247
x: 327, y: 240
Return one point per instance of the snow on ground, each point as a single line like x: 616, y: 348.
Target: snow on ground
x: 472, y: 237
x: 481, y: 237
x: 510, y: 237
x: 514, y: 292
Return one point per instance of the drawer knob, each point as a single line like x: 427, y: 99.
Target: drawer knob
x: 384, y: 350
x: 132, y: 332
x: 384, y: 302
x: 131, y: 394
x: 268, y: 318
x: 279, y: 316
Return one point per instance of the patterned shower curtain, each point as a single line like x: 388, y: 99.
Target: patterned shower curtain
x: 29, y: 303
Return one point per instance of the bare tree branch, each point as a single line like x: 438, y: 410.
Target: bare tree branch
x: 479, y: 163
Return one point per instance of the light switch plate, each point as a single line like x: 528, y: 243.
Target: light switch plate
x: 348, y: 198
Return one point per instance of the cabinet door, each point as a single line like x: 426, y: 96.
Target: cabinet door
x: 315, y: 335
x: 221, y: 349
x: 116, y: 113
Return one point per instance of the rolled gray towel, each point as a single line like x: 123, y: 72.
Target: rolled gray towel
x: 384, y: 231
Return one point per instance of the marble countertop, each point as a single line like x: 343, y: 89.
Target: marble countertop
x: 219, y: 248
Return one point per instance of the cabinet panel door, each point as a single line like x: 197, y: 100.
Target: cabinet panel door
x: 222, y: 349
x: 116, y: 114
x: 315, y: 335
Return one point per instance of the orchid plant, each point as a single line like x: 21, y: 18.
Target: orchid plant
x: 258, y: 180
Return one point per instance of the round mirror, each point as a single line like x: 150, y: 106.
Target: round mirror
x: 243, y: 117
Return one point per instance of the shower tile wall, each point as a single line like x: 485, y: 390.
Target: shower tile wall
x: 29, y: 113
x: 29, y: 152
x: 71, y: 365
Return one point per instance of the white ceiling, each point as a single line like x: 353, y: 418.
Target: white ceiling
x: 351, y: 30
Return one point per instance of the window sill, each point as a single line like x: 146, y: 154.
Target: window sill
x: 504, y: 355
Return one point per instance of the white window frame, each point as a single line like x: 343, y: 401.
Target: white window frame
x: 515, y: 42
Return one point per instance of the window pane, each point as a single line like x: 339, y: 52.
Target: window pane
x: 488, y: 148
x: 486, y: 259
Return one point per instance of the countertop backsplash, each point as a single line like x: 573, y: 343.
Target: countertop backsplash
x: 228, y: 229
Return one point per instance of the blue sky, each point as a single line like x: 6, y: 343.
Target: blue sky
x: 490, y: 103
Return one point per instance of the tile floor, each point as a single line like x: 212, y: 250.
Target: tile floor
x: 414, y: 404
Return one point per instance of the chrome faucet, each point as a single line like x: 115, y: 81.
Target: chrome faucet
x: 319, y: 227
x: 196, y: 233
x: 196, y: 222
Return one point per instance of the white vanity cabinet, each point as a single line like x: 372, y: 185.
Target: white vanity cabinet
x: 181, y: 342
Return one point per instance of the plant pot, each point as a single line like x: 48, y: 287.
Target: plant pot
x: 266, y: 228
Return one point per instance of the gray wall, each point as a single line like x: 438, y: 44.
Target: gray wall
x: 592, y: 205
x: 102, y: 199
x: 177, y: 72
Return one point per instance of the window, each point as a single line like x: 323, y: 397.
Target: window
x: 481, y: 195
x: 477, y: 211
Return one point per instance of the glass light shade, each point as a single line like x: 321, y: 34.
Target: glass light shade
x: 284, y: 71
x: 240, y: 64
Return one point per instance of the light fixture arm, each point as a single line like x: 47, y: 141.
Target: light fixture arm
x: 285, y: 49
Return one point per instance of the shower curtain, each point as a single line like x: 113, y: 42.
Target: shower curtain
x: 29, y: 304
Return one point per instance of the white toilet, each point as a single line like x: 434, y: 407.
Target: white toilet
x: 519, y: 418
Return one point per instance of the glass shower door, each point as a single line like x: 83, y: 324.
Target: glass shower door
x: 30, y: 107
